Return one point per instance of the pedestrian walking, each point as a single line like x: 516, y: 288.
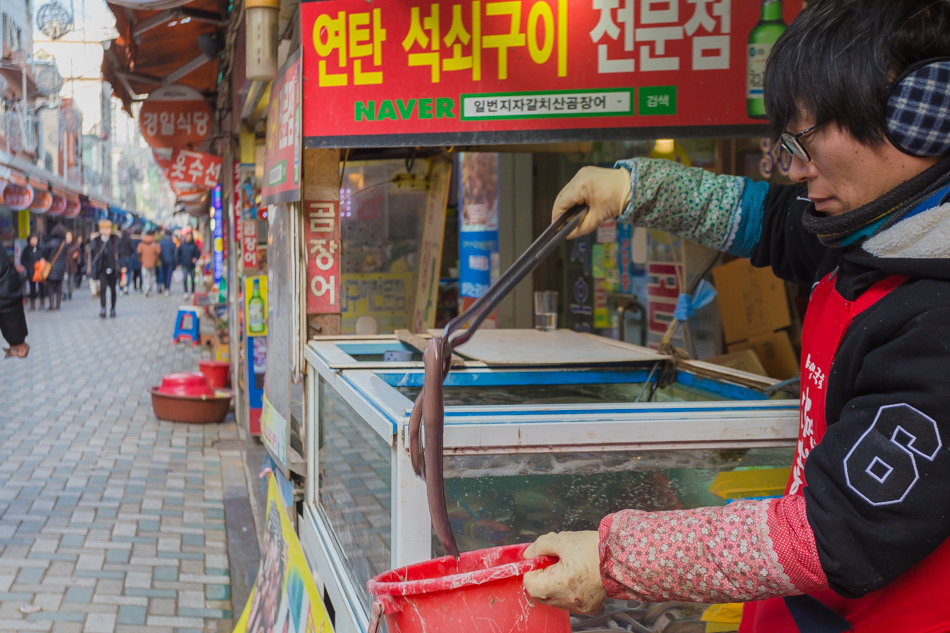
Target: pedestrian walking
x: 73, y: 250
x: 80, y: 260
x: 31, y: 255
x: 55, y: 254
x: 126, y: 251
x: 105, y: 265
x: 169, y: 257
x: 149, y: 254
x: 135, y: 265
x: 188, y: 255
x: 12, y: 320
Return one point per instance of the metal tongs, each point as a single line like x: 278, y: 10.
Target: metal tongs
x: 550, y: 239
x: 429, y: 408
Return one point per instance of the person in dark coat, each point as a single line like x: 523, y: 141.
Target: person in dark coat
x: 105, y: 264
x: 126, y: 253
x: 28, y: 258
x: 73, y: 256
x: 12, y: 319
x: 55, y: 254
x: 169, y: 259
x: 188, y: 255
x: 135, y: 264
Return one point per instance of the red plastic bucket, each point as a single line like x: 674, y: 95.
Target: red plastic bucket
x: 479, y: 593
x: 216, y: 371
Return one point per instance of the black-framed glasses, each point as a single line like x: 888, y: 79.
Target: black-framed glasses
x: 791, y: 144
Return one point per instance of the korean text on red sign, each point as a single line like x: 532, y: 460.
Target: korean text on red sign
x: 322, y: 234
x: 443, y: 67
x: 196, y: 168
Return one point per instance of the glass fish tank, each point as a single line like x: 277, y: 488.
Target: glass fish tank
x: 528, y: 449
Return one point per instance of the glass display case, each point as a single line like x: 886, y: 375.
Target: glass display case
x: 529, y: 449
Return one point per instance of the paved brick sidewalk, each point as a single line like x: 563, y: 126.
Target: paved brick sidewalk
x: 110, y: 520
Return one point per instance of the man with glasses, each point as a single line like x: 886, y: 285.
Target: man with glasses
x: 858, y: 92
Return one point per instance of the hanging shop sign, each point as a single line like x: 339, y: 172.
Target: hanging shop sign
x: 73, y: 207
x: 217, y: 235
x: 426, y: 73
x: 59, y: 204
x: 282, y: 153
x: 189, y: 169
x: 42, y: 201
x: 248, y: 243
x: 322, y: 235
x: 175, y: 116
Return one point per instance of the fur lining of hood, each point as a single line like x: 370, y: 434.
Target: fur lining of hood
x: 923, y: 236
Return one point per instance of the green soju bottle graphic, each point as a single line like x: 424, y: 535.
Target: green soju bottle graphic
x: 255, y: 310
x: 761, y: 40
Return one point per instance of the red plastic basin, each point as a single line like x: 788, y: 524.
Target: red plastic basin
x: 481, y: 592
x: 192, y: 384
x: 216, y: 371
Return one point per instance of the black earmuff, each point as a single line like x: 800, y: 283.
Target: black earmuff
x: 917, y: 116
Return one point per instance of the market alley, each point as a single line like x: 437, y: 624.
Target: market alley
x: 110, y: 520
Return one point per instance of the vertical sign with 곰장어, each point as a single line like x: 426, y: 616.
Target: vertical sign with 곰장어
x: 249, y: 244
x: 322, y: 234
x: 217, y: 234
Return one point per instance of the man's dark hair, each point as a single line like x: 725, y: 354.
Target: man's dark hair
x: 837, y: 60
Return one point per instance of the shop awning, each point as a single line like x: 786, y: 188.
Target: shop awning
x: 171, y: 46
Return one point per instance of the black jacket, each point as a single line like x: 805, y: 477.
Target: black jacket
x: 188, y: 254
x: 58, y: 268
x: 126, y: 249
x: 11, y: 282
x: 105, y: 256
x: 896, y: 352
x: 29, y: 256
x: 169, y: 255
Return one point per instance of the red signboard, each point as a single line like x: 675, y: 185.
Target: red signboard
x: 322, y: 234
x: 282, y: 154
x: 175, y: 116
x: 59, y: 204
x: 444, y: 72
x: 73, y: 207
x: 194, y: 168
x: 42, y: 201
x: 17, y: 197
x: 249, y: 243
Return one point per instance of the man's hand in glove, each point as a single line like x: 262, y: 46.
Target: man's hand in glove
x: 605, y: 191
x: 573, y: 582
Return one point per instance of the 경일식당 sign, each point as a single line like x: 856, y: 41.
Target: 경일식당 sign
x: 427, y: 72
x: 282, y: 149
x: 175, y: 116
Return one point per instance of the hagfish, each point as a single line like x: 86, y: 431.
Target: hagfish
x: 428, y: 416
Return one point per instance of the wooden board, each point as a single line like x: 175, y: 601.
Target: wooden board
x: 561, y: 347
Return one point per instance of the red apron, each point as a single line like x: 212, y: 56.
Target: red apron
x: 915, y: 602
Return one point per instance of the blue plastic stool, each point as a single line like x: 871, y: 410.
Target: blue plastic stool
x: 186, y: 325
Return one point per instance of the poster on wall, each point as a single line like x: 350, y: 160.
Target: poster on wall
x: 424, y: 72
x: 479, y: 260
x: 256, y: 371
x: 385, y: 297
x: 255, y: 305
x: 284, y: 597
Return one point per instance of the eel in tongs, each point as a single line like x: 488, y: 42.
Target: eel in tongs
x: 428, y: 412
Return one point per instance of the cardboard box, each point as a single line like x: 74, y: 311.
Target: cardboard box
x: 775, y: 353
x: 746, y: 360
x: 752, y: 301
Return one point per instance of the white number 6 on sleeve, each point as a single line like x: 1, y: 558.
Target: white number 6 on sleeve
x: 882, y: 467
